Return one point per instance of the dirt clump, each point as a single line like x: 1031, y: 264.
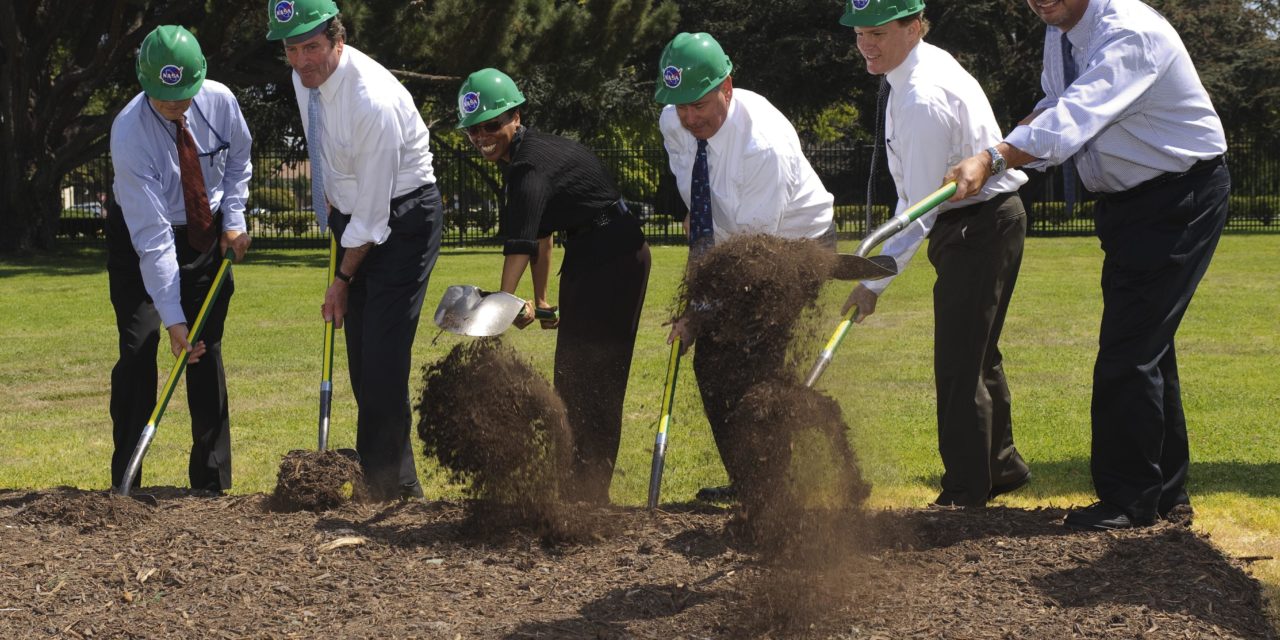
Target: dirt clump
x: 751, y: 290
x: 500, y: 428
x: 317, y: 481
x: 87, y: 512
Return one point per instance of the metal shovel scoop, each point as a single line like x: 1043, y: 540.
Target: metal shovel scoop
x: 857, y: 267
x: 470, y: 311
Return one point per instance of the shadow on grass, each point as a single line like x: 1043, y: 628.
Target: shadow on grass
x: 1053, y: 479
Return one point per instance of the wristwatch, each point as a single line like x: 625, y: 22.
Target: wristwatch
x: 998, y: 163
x: 337, y: 273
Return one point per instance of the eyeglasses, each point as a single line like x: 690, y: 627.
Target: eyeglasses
x: 489, y: 127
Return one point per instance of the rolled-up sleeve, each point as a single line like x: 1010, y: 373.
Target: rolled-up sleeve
x: 528, y: 193
x: 376, y: 165
x: 1102, y: 95
x: 235, y: 179
x: 138, y: 189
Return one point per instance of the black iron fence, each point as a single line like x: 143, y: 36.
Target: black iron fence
x: 279, y: 210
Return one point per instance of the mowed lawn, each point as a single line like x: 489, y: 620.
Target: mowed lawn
x: 58, y: 342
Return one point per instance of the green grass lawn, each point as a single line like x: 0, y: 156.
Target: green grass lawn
x: 58, y: 341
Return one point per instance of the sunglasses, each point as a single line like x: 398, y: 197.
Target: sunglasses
x: 490, y: 127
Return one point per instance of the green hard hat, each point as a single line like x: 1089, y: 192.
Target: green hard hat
x: 873, y: 13
x: 486, y: 94
x: 170, y: 64
x: 691, y: 66
x: 289, y: 18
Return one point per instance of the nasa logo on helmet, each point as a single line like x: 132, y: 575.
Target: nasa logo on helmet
x: 284, y: 11
x: 171, y: 74
x: 671, y: 76
x: 859, y: 5
x: 470, y: 102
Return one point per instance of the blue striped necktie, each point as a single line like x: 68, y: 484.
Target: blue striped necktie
x: 1069, y: 75
x: 701, y: 234
x: 315, y: 142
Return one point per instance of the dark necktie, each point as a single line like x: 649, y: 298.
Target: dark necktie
x: 701, y: 235
x: 1069, y: 75
x: 882, y: 102
x: 315, y: 142
x: 200, y: 231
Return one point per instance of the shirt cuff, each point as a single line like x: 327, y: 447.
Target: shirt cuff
x: 1023, y: 138
x: 170, y: 313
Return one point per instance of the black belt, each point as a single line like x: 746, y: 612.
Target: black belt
x: 1164, y: 179
x: 399, y: 200
x: 611, y: 213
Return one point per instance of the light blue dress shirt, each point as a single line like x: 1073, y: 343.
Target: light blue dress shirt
x: 1137, y: 109
x: 148, y: 184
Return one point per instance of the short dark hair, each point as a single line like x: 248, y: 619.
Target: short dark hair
x: 335, y: 31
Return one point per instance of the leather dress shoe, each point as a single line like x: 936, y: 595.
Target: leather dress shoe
x: 1009, y: 487
x: 1101, y: 516
x: 949, y: 498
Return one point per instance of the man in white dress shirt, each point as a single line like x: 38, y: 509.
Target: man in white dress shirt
x: 1124, y: 107
x: 369, y: 153
x: 180, y: 151
x: 936, y: 115
x: 739, y: 167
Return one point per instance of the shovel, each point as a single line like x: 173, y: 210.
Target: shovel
x: 326, y: 368
x: 873, y: 240
x: 660, y: 441
x: 471, y: 311
x: 166, y: 392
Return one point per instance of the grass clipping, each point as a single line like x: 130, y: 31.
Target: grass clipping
x: 497, y: 425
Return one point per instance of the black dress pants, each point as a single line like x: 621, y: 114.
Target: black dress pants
x: 1158, y: 240
x: 600, y: 311
x: 976, y: 252
x: 134, y: 377
x: 384, y: 303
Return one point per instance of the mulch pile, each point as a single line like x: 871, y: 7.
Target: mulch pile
x: 500, y: 428
x: 229, y: 567
x: 317, y: 480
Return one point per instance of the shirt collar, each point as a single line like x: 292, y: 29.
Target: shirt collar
x: 898, y: 75
x: 1082, y: 34
x: 329, y: 88
x: 720, y: 140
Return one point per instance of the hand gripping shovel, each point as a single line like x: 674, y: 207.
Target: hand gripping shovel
x: 470, y: 311
x: 873, y: 239
x: 179, y: 365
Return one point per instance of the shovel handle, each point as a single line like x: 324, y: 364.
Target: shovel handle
x: 546, y: 314
x: 179, y: 365
x: 660, y: 440
x: 326, y: 367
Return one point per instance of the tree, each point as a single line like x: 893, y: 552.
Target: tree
x: 66, y: 68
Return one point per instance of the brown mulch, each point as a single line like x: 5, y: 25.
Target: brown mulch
x: 228, y: 567
x: 317, y: 480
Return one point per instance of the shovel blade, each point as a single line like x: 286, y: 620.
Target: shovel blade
x: 855, y: 267
x: 466, y: 310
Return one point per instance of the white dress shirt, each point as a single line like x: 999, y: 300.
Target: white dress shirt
x: 760, y: 180
x: 937, y: 116
x: 1136, y: 110
x: 148, y: 182
x: 375, y: 147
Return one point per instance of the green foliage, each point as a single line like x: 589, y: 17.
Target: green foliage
x: 270, y: 199
x: 835, y: 124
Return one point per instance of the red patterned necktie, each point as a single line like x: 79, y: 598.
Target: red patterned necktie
x: 200, y: 231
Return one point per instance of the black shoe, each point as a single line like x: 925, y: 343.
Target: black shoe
x: 1009, y: 487
x: 411, y: 491
x: 1101, y: 516
x: 949, y: 498
x: 726, y: 493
